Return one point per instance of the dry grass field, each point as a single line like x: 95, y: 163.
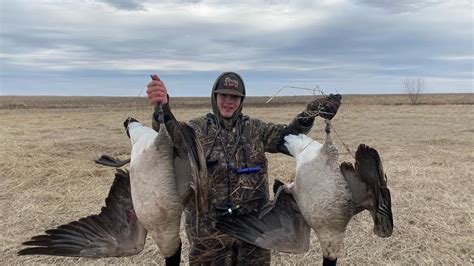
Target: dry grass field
x: 48, y: 177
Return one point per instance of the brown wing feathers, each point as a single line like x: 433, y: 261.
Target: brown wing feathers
x: 282, y: 227
x: 114, y: 232
x: 369, y: 168
x: 191, y: 146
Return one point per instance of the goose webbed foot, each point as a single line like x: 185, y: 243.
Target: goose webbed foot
x: 111, y: 161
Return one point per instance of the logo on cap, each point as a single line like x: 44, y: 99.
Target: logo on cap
x: 231, y: 83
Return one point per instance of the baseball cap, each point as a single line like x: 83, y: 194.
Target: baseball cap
x: 230, y: 84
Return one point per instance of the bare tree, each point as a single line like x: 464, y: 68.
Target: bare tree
x: 414, y: 87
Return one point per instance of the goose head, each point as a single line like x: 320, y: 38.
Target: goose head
x: 126, y: 123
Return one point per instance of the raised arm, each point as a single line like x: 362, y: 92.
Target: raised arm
x: 273, y: 134
x: 158, y: 94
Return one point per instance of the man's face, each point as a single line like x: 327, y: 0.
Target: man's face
x: 227, y: 104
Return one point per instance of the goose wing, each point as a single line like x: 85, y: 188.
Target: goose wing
x: 368, y: 167
x: 280, y: 227
x: 114, y: 232
x: 187, y: 146
x: 359, y: 189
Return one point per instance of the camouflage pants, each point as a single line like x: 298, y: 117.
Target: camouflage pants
x: 223, y: 249
x: 210, y: 246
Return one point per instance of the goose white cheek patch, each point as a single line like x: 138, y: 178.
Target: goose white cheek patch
x: 302, y: 147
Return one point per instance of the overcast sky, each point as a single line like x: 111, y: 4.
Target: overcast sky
x: 109, y: 47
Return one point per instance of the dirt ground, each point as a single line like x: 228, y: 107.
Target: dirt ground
x: 48, y: 177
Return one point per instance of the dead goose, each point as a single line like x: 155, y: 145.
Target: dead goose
x: 326, y: 196
x: 158, y: 193
x: 159, y: 186
x: 153, y: 186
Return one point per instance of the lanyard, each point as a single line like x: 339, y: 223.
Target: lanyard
x: 228, y: 158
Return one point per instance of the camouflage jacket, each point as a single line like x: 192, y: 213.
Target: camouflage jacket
x: 231, y: 152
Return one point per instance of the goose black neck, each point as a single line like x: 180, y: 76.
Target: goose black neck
x: 329, y: 262
x: 175, y: 259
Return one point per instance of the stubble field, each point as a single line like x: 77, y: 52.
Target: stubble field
x: 48, y: 176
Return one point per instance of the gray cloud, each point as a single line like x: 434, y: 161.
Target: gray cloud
x: 349, y: 45
x: 124, y: 4
x: 410, y: 5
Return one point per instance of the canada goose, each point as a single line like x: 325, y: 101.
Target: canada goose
x: 159, y: 186
x: 162, y: 177
x: 325, y: 196
x: 153, y: 186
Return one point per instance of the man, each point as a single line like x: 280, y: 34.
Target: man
x: 234, y: 146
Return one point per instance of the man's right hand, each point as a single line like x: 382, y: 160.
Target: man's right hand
x: 156, y: 91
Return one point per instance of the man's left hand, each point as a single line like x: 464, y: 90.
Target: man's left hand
x: 326, y: 107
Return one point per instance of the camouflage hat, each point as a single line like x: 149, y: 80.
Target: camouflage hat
x: 230, y: 83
